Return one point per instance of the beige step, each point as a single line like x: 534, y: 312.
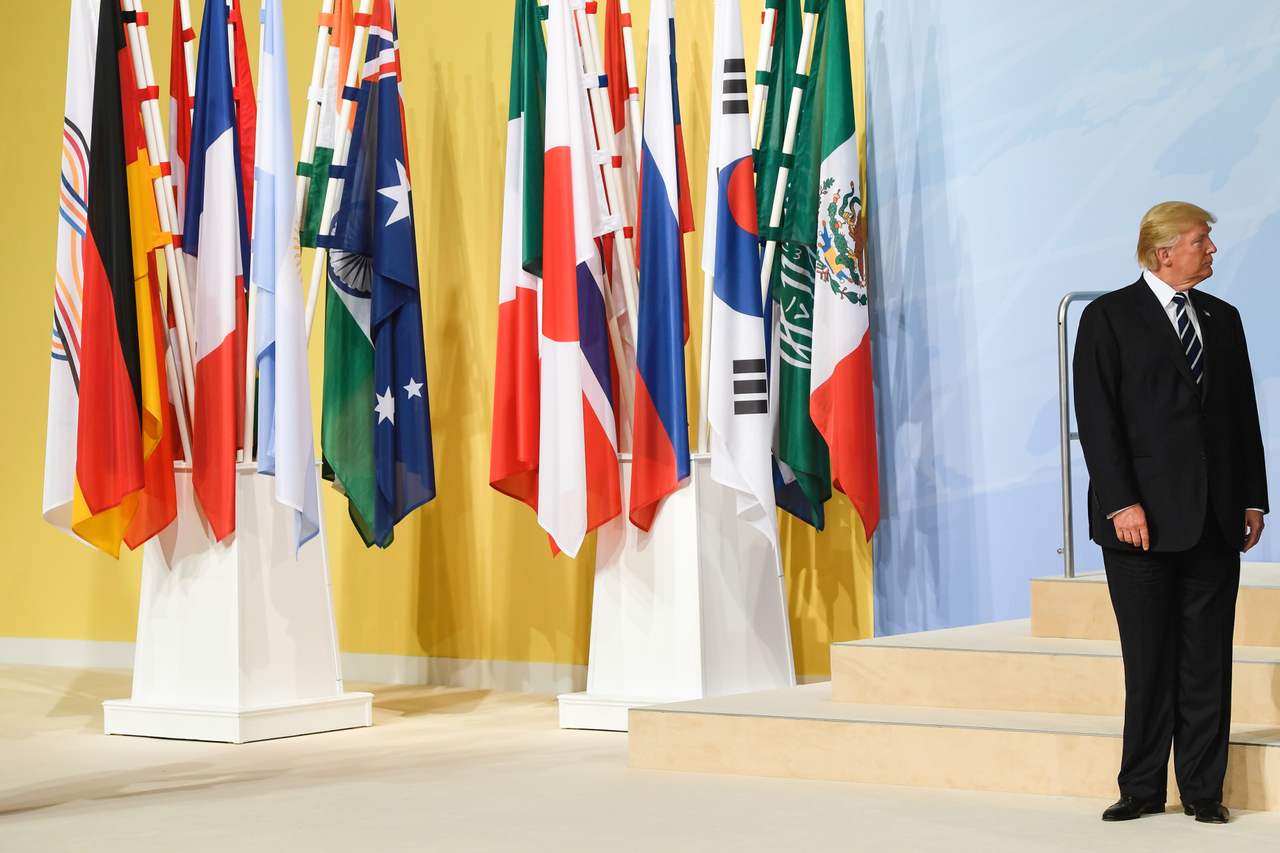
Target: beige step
x: 1001, y: 666
x: 1080, y: 608
x: 800, y: 733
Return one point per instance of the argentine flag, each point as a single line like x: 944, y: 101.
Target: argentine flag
x: 286, y: 447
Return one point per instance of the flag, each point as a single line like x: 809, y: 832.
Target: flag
x: 779, y: 82
x: 513, y: 458
x: 395, y: 51
x: 738, y: 407
x: 377, y: 422
x: 157, y: 501
x: 246, y: 115
x: 578, y: 488
x: 214, y: 241
x: 285, y: 444
x: 246, y: 119
x: 341, y: 35
x: 788, y: 28
x: 841, y: 402
x: 179, y: 113
x: 661, y: 434
x: 180, y: 105
x: 620, y: 98
x: 68, y: 292
x: 801, y: 451
x: 109, y: 440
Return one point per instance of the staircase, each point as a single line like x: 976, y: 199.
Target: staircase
x: 1029, y: 706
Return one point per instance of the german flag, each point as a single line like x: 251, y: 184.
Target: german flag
x: 109, y: 447
x: 157, y: 502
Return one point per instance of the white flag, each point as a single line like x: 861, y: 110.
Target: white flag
x: 73, y: 212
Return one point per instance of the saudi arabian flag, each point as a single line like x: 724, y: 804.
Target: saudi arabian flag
x: 780, y: 78
x: 800, y: 448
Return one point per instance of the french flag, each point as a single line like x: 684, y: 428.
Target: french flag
x: 661, y: 434
x: 215, y: 224
x: 578, y: 484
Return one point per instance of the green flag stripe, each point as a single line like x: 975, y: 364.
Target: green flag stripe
x: 528, y: 101
x: 346, y: 431
x: 838, y: 122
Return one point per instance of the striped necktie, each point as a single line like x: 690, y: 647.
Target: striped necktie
x: 1187, y: 334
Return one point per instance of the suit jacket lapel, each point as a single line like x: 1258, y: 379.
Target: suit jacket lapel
x: 1149, y: 308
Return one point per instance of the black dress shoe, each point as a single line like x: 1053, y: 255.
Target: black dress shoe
x: 1207, y: 811
x: 1129, y: 808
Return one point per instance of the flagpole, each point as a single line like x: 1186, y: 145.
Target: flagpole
x: 331, y: 195
x: 603, y: 117
x: 620, y: 358
x: 764, y: 64
x: 602, y: 113
x: 315, y: 102
x: 171, y: 373
x: 188, y: 51
x: 633, y: 87
x: 708, y: 282
x: 162, y: 185
x: 788, y: 144
x: 704, y: 374
x: 251, y: 309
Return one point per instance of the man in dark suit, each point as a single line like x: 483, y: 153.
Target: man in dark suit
x: 1168, y: 423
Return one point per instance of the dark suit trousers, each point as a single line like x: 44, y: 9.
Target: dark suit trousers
x: 1176, y: 613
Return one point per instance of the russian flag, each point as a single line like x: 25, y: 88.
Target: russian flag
x: 661, y: 442
x: 215, y: 221
x: 578, y: 484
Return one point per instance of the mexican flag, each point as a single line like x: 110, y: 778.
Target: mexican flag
x: 841, y: 401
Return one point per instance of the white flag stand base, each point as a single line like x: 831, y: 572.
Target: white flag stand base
x: 236, y: 640
x: 694, y: 608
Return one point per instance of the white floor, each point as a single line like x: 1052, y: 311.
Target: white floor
x: 453, y: 769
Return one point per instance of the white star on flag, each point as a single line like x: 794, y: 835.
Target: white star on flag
x: 398, y: 194
x: 386, y: 407
x: 413, y: 389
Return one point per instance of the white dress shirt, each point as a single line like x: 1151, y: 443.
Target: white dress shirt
x: 1164, y: 295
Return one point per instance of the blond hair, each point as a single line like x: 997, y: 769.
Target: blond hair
x: 1163, y: 225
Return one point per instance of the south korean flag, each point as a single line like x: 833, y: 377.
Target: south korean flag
x: 738, y: 409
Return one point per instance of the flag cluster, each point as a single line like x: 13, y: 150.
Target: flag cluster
x: 215, y: 370
x: 789, y: 396
x: 110, y: 476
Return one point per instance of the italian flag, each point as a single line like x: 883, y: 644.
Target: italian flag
x: 513, y: 461
x: 841, y: 401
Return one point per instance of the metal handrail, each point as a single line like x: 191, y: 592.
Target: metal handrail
x: 1064, y: 422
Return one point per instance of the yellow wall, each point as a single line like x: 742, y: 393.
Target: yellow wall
x: 470, y: 575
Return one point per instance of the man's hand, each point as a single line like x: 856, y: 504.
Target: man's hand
x: 1131, y: 526
x: 1253, y: 521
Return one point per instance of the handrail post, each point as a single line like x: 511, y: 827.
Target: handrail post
x: 1064, y: 428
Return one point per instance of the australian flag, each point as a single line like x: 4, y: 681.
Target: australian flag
x: 374, y: 229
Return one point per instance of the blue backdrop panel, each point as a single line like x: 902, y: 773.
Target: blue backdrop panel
x: 1013, y: 147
